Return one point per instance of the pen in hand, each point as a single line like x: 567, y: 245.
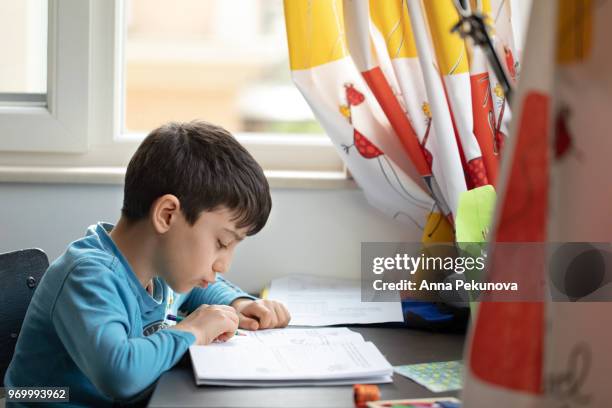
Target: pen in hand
x: 174, y: 318
x: 179, y: 319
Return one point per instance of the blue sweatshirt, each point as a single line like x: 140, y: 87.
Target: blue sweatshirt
x: 92, y: 327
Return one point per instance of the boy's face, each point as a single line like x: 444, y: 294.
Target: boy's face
x: 192, y: 255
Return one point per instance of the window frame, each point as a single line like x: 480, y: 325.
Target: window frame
x: 81, y: 127
x: 58, y: 126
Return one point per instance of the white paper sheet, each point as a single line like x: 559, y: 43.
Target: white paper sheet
x: 291, y: 356
x: 295, y: 336
x: 322, y: 301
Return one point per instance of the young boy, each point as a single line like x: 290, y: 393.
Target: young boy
x: 100, y: 319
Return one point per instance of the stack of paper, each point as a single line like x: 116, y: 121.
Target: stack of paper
x: 324, y: 301
x: 289, y: 357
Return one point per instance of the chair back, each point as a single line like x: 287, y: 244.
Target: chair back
x: 20, y: 272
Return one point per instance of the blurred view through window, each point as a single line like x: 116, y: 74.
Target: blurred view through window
x: 224, y: 61
x: 23, y: 41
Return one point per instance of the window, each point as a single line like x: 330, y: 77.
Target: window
x: 223, y: 61
x: 23, y: 39
x: 103, y: 73
x: 45, y: 73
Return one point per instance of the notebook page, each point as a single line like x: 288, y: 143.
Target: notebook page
x: 290, y: 336
x: 250, y: 361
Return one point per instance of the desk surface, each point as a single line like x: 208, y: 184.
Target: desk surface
x: 177, y: 388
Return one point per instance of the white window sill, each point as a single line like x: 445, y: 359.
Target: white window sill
x: 116, y: 175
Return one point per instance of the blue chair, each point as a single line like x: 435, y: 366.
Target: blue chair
x: 20, y: 272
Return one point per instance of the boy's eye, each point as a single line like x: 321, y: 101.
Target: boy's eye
x: 220, y: 244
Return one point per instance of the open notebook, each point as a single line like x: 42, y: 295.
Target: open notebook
x: 284, y: 357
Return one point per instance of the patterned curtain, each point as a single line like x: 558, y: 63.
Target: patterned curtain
x: 411, y: 107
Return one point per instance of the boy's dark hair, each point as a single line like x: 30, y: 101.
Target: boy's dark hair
x: 204, y: 167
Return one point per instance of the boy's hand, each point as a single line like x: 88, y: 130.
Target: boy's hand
x: 261, y: 313
x: 209, y: 323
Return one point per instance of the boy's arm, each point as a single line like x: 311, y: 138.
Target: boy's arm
x: 222, y: 292
x: 92, y: 322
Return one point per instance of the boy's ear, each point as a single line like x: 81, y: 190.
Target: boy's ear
x: 164, y: 212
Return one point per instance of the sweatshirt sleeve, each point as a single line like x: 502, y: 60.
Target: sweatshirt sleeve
x: 222, y: 292
x: 91, y: 320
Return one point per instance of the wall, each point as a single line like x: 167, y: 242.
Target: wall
x: 309, y: 231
